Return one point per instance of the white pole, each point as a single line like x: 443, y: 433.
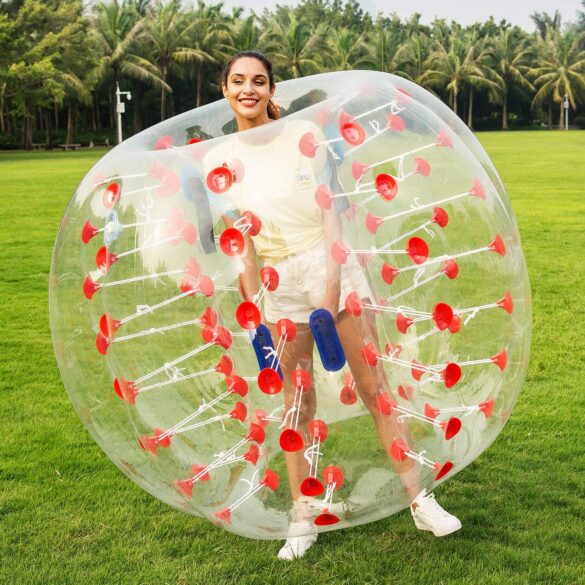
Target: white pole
x: 121, y: 108
x: 566, y: 104
x: 119, y: 112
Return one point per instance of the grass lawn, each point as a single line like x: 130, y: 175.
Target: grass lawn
x: 67, y: 515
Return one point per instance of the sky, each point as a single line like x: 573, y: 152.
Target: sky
x: 516, y: 12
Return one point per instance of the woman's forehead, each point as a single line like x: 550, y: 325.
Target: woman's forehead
x: 248, y: 66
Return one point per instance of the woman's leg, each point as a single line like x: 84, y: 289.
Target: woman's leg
x: 297, y: 354
x: 370, y: 381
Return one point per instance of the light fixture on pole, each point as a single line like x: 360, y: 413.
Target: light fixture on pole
x: 566, y: 106
x: 121, y: 108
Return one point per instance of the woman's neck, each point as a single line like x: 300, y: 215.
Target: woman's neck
x: 247, y: 123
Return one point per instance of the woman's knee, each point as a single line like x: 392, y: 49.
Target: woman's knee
x: 370, y: 393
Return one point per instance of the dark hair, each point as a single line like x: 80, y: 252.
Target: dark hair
x: 272, y: 109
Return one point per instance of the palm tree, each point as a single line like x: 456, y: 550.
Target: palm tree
x: 545, y: 22
x: 510, y: 54
x: 207, y: 42
x: 412, y: 55
x: 140, y: 7
x: 560, y: 71
x: 383, y: 49
x: 116, y: 32
x: 166, y: 32
x: 293, y: 44
x: 346, y: 47
x: 245, y: 34
x: 462, y: 66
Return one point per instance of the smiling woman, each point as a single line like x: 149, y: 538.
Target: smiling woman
x: 248, y: 85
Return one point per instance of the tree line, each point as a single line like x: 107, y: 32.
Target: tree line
x: 60, y: 61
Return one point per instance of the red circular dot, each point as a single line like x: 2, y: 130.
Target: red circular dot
x: 318, y: 429
x: 269, y: 381
x: 220, y: 179
x: 352, y: 133
x: 253, y: 221
x: 326, y: 519
x: 248, y: 315
x: 111, y: 195
x: 348, y: 395
x: 232, y: 242
x: 311, y: 486
x: 301, y: 379
x: 333, y: 475
x: 286, y: 328
x: 291, y: 441
x: 269, y: 278
x: 386, y: 186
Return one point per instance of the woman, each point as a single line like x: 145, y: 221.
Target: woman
x: 295, y: 239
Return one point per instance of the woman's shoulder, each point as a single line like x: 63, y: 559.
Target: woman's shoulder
x: 218, y: 153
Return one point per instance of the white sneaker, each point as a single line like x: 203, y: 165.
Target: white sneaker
x: 430, y: 516
x: 295, y: 546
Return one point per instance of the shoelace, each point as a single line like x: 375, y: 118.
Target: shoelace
x: 431, y: 506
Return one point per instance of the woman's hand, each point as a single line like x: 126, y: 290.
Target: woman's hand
x: 330, y: 300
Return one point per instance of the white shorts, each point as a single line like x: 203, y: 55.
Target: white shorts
x: 302, y: 285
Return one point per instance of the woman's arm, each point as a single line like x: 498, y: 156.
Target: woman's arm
x: 332, y: 227
x: 249, y: 276
x: 333, y: 232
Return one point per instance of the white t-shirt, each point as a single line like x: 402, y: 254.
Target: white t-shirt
x: 278, y: 185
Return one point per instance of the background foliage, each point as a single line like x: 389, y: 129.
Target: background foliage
x: 60, y: 59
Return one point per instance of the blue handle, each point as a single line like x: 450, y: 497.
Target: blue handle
x: 261, y: 338
x: 325, y: 333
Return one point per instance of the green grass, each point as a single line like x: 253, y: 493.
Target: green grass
x: 67, y: 515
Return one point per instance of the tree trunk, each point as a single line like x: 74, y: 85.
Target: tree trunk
x: 561, y: 117
x: 2, y: 125
x: 27, y: 128
x: 505, y: 113
x: 171, y: 105
x: 455, y: 100
x: 56, y: 115
x: 470, y: 111
x: 24, y: 132
x: 550, y: 124
x: 29, y: 138
x: 199, y: 84
x: 69, y: 139
x: 137, y: 115
x: 93, y: 112
x: 49, y: 139
x: 163, y: 96
x: 113, y: 115
x: 98, y: 117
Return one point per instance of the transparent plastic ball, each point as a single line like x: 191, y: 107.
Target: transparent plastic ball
x: 313, y: 320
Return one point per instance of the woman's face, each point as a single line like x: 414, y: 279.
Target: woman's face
x: 248, y: 92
